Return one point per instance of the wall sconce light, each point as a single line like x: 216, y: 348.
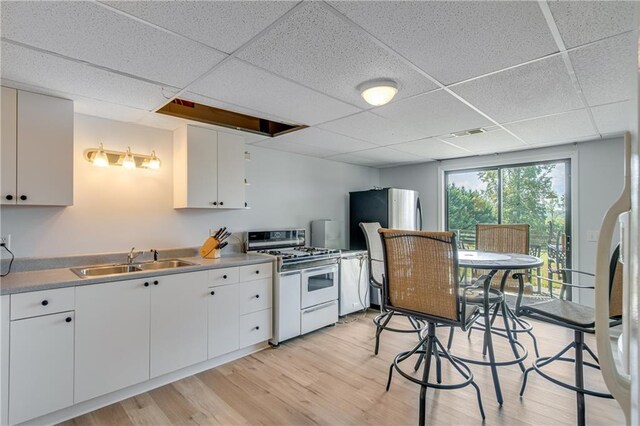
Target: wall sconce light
x: 101, y: 157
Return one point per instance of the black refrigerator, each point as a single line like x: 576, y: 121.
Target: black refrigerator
x: 392, y: 207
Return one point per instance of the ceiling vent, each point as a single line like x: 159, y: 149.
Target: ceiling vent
x: 210, y: 115
x: 468, y: 132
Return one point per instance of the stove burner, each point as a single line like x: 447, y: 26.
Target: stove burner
x: 299, y: 252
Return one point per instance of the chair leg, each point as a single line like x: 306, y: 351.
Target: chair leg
x: 379, y: 331
x: 438, y: 362
x: 507, y: 330
x: 579, y: 341
x: 450, y: 341
x: 425, y: 378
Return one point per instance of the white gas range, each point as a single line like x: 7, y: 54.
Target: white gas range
x: 305, y: 285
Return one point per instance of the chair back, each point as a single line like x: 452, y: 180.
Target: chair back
x: 421, y: 273
x: 375, y: 254
x: 503, y: 238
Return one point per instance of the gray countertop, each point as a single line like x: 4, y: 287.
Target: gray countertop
x: 45, y: 279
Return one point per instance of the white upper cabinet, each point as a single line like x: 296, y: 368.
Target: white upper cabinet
x: 208, y: 170
x: 36, y: 149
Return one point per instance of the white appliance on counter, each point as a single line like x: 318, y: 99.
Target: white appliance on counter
x: 305, y: 285
x: 354, y: 282
x: 328, y: 233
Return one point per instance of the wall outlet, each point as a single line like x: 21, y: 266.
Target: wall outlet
x: 6, y: 240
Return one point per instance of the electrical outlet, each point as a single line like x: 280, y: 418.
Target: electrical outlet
x: 6, y: 240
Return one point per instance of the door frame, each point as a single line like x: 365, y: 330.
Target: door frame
x: 524, y: 158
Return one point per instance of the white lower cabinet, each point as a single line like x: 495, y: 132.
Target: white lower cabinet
x: 178, y: 321
x: 41, y: 365
x: 112, y: 337
x: 255, y: 327
x: 224, y: 319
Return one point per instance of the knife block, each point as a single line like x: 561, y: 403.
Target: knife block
x: 209, y: 249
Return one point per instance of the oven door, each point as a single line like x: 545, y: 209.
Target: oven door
x: 319, y: 285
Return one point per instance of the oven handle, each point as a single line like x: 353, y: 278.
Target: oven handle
x: 319, y: 307
x: 332, y: 267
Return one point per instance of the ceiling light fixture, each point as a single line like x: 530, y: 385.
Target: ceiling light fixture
x: 378, y: 92
x: 101, y: 157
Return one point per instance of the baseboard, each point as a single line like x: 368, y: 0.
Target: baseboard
x: 119, y: 395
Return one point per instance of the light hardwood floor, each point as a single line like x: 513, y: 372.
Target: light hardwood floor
x: 331, y: 377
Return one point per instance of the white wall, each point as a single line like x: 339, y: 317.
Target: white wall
x: 115, y: 209
x: 599, y: 182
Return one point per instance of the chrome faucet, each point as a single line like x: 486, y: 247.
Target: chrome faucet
x: 155, y: 254
x: 131, y: 256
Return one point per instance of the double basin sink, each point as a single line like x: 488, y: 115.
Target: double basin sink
x: 107, y: 270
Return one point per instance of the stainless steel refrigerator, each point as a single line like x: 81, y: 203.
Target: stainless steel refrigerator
x: 392, y: 207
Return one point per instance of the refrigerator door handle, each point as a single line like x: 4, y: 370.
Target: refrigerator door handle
x: 419, y: 215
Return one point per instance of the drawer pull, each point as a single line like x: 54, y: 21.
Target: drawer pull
x: 45, y: 302
x: 257, y: 327
x: 257, y: 296
x: 213, y: 293
x: 68, y: 319
x: 146, y: 284
x: 155, y: 283
x: 224, y: 277
x: 258, y: 271
x: 9, y: 197
x: 23, y: 197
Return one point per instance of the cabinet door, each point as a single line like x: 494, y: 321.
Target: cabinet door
x: 231, y: 171
x: 202, y: 160
x: 178, y: 321
x: 287, y: 317
x: 8, y: 146
x: 41, y: 366
x: 45, y: 150
x: 112, y: 337
x: 224, y: 320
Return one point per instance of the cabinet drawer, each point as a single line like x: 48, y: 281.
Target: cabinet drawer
x: 255, y: 328
x: 35, y: 303
x: 256, y: 272
x: 319, y: 316
x: 255, y: 296
x: 223, y: 276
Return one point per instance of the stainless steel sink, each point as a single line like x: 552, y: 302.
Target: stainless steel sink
x: 101, y: 271
x: 163, y: 264
x: 106, y: 270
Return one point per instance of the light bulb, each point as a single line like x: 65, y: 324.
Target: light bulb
x: 378, y: 92
x: 129, y: 162
x: 154, y: 162
x: 100, y: 158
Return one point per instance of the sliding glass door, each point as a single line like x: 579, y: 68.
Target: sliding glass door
x: 535, y: 193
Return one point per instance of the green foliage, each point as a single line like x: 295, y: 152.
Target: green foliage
x: 467, y: 208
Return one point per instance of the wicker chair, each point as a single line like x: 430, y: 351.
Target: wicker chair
x: 421, y: 280
x: 581, y: 319
x: 376, y: 271
x: 507, y: 238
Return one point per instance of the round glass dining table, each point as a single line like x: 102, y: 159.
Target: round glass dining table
x: 494, y: 262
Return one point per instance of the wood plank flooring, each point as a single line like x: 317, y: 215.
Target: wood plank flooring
x: 331, y: 377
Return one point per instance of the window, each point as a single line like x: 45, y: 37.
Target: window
x: 535, y: 193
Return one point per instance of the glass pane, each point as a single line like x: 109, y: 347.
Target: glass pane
x: 319, y: 282
x: 472, y: 198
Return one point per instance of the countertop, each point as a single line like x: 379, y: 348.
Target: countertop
x: 46, y: 279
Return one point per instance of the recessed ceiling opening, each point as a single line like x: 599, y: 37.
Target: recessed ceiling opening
x: 220, y: 117
x: 468, y: 132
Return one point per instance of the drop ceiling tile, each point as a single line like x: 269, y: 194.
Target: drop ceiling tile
x: 555, y: 129
x: 372, y: 128
x: 494, y: 140
x: 82, y: 105
x: 326, y: 140
x: 531, y: 90
x: 94, y: 34
x: 432, y: 148
x: 581, y: 22
x: 606, y: 70
x: 315, y: 47
x: 297, y: 148
x: 385, y: 155
x: 456, y: 40
x: 240, y: 83
x: 354, y: 159
x: 613, y: 118
x: 433, y: 114
x: 224, y: 25
x: 50, y: 72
